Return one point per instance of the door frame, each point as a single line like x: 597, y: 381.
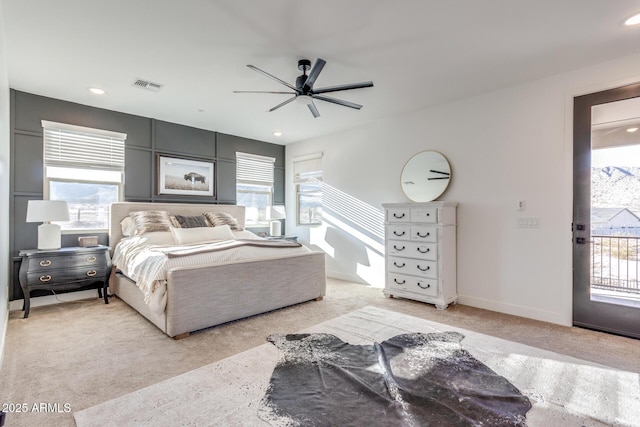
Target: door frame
x: 617, y: 319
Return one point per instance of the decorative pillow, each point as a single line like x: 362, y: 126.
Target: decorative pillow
x: 191, y: 221
x: 185, y: 236
x: 147, y: 221
x: 158, y: 238
x: 221, y: 218
x: 174, y: 221
x: 128, y: 226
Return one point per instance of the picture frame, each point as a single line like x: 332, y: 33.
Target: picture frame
x: 185, y: 177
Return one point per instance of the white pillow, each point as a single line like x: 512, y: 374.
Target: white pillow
x: 157, y: 238
x: 185, y: 236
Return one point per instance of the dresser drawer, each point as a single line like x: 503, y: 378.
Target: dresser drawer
x: 44, y: 262
x: 421, y: 250
x: 415, y: 267
x: 429, y: 215
x: 428, y: 287
x: 69, y: 275
x: 399, y: 214
x: 424, y: 233
x: 398, y: 232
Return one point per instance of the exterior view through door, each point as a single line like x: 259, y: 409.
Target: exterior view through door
x: 606, y: 227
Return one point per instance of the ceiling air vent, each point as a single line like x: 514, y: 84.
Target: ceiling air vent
x: 145, y: 84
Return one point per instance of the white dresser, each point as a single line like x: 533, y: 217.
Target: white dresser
x: 420, y: 241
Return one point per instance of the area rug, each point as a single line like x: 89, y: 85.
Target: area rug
x: 562, y: 391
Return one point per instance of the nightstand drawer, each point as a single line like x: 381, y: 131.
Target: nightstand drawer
x: 44, y: 262
x: 70, y: 275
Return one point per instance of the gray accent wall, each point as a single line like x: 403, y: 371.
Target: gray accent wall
x: 146, y: 139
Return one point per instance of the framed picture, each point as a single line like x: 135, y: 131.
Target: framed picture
x: 184, y: 176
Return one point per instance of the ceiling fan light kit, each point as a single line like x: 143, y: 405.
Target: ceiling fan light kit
x: 304, y: 93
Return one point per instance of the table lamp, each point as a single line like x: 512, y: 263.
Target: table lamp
x: 276, y: 214
x: 46, y: 211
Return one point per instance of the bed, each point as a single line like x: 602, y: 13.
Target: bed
x: 203, y: 293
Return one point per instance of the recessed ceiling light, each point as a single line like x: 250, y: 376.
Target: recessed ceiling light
x: 96, y: 91
x: 631, y: 130
x: 276, y: 133
x: 634, y: 20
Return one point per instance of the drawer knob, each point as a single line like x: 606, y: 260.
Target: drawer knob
x: 395, y: 215
x: 424, y: 269
x: 45, y: 279
x: 45, y: 263
x: 398, y: 234
x: 427, y: 234
x: 91, y: 258
x: 399, y: 265
x: 398, y: 249
x: 398, y: 282
x: 91, y: 273
x: 423, y: 250
x: 424, y: 287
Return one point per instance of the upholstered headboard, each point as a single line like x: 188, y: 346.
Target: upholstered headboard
x: 118, y: 211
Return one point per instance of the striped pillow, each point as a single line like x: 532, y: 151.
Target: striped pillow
x: 221, y: 218
x: 147, y: 221
x: 191, y: 221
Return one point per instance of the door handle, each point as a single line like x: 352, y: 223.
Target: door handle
x: 582, y: 241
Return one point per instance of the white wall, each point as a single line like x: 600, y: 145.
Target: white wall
x: 504, y: 146
x: 4, y: 191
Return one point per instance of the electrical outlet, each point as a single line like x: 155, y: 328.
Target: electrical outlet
x: 522, y: 205
x: 528, y: 222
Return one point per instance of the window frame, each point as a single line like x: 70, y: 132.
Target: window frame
x: 312, y: 166
x: 48, y: 179
x: 257, y: 182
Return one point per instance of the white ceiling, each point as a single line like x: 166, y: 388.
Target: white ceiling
x: 418, y: 53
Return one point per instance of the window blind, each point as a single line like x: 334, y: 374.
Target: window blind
x: 79, y: 147
x: 254, y: 169
x: 307, y: 168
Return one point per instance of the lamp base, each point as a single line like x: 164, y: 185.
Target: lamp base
x: 49, y: 236
x: 276, y: 228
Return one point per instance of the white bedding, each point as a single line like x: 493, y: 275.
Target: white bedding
x: 148, y: 264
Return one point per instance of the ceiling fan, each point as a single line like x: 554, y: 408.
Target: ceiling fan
x: 303, y: 91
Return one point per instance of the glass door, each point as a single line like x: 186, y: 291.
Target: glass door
x: 606, y: 223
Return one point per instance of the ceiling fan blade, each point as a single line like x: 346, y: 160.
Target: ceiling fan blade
x: 338, y: 101
x: 313, y: 74
x: 262, y: 91
x: 313, y: 109
x: 343, y: 87
x: 273, y: 77
x: 282, y: 104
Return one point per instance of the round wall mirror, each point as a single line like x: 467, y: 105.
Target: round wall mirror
x: 425, y: 176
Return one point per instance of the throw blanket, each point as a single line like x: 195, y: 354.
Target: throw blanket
x: 228, y: 244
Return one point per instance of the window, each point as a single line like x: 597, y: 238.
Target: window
x: 84, y: 167
x: 254, y: 187
x: 307, y: 176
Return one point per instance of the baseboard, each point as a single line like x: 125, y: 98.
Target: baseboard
x: 16, y: 305
x: 516, y: 310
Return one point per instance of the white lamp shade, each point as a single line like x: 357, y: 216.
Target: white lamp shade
x: 277, y: 212
x: 47, y: 210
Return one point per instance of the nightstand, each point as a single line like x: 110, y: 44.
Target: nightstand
x: 64, y: 269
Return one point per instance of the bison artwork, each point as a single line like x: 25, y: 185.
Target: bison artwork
x: 194, y: 177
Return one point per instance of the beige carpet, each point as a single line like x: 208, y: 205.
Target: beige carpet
x: 564, y: 391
